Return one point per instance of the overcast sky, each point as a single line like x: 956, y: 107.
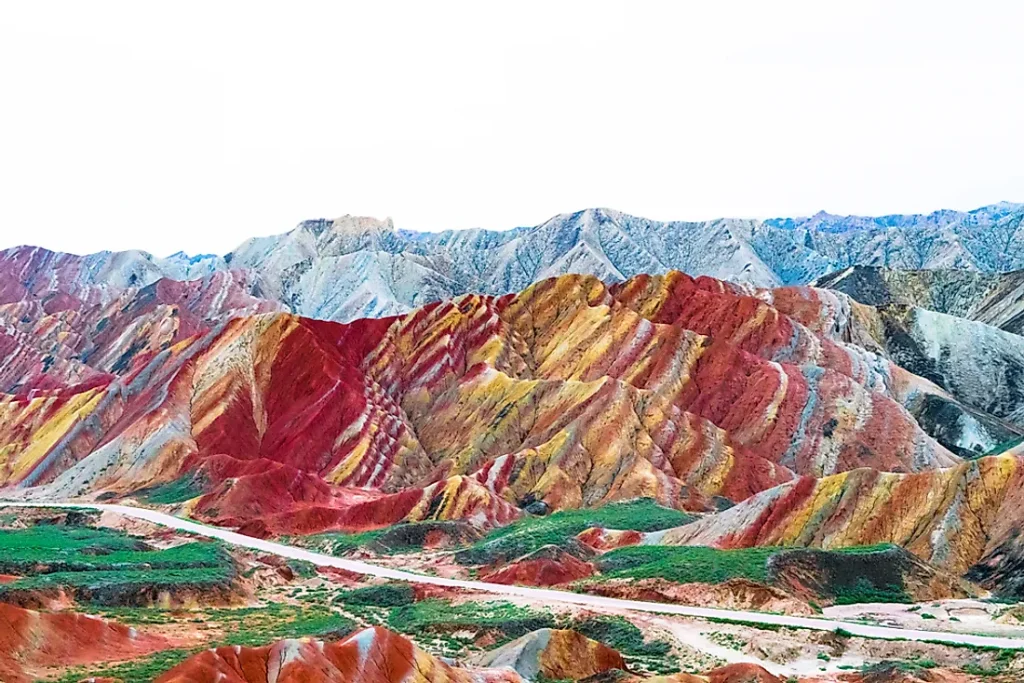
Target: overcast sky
x: 168, y: 126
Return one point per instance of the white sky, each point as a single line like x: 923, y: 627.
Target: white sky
x: 168, y: 126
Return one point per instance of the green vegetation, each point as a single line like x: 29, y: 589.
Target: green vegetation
x: 104, y: 565
x: 757, y: 625
x: 302, y: 568
x: 254, y: 626
x: 686, y: 564
x: 701, y: 564
x: 621, y: 634
x: 503, y: 620
x: 386, y: 595
x: 456, y: 628
x: 335, y: 543
x: 181, y: 489
x: 732, y: 641
x: 96, y: 585
x: 863, y: 590
x: 531, y: 533
x: 51, y: 538
x: 142, y: 670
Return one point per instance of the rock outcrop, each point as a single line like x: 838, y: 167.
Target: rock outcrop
x: 554, y: 654
x: 951, y: 518
x: 31, y: 641
x: 373, y: 655
x: 571, y: 393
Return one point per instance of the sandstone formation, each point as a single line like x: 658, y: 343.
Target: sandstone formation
x: 951, y: 517
x: 32, y: 640
x: 373, y: 655
x: 571, y: 393
x: 554, y: 655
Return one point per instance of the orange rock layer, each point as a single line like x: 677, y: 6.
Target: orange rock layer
x: 32, y: 640
x: 951, y: 517
x: 571, y: 392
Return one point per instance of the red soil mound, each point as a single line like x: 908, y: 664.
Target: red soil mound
x: 542, y: 568
x: 373, y: 655
x: 742, y: 673
x: 29, y: 640
x: 609, y: 539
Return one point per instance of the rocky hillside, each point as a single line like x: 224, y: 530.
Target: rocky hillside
x: 993, y: 298
x: 955, y: 518
x: 361, y: 267
x: 571, y: 393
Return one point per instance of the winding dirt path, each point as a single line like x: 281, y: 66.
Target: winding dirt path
x: 540, y: 594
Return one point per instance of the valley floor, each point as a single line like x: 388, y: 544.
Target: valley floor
x: 876, y: 622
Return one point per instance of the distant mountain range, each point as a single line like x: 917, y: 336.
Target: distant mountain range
x: 564, y: 366
x: 354, y: 267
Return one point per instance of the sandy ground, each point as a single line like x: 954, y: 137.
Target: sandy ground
x: 951, y: 616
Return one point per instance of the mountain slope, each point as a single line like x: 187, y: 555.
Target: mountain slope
x: 356, y: 267
x: 571, y: 393
x: 953, y: 518
x: 995, y: 299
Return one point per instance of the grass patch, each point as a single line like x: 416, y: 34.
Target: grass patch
x: 531, y: 533
x: 863, y: 590
x: 335, y: 543
x: 621, y: 634
x: 301, y: 568
x: 142, y: 670
x: 180, y: 490
x: 686, y: 564
x: 386, y: 595
x: 701, y: 564
x: 503, y: 620
x: 250, y: 627
x: 105, y: 566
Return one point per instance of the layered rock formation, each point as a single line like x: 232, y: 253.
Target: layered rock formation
x: 31, y: 641
x: 373, y: 655
x: 554, y: 654
x: 356, y: 267
x: 993, y: 298
x: 953, y: 518
x: 572, y: 393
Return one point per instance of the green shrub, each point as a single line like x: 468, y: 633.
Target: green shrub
x: 181, y: 489
x: 504, y: 620
x: 686, y: 564
x: 531, y: 533
x: 865, y: 591
x: 336, y: 543
x: 386, y: 595
x: 104, y: 565
x: 621, y: 634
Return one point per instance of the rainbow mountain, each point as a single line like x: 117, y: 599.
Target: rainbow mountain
x: 794, y: 415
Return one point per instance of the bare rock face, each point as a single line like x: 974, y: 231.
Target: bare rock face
x: 950, y: 518
x: 548, y: 566
x: 373, y: 655
x: 739, y: 594
x: 994, y: 298
x: 554, y: 654
x: 354, y: 267
x: 30, y: 639
x: 569, y: 394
